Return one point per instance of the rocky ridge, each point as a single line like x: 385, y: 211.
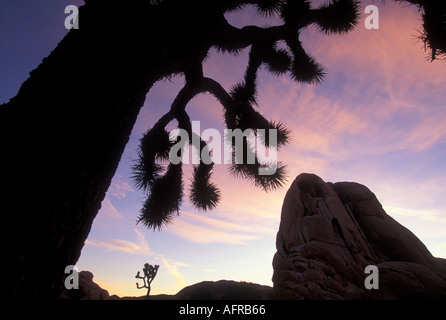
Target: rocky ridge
x: 206, y: 290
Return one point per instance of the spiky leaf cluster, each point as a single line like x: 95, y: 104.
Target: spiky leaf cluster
x: 433, y: 31
x: 337, y: 17
x: 240, y: 104
x: 164, y: 200
x: 204, y: 194
x: 165, y: 191
x: 154, y: 145
x: 247, y: 165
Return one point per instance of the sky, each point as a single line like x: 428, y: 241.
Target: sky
x: 378, y: 118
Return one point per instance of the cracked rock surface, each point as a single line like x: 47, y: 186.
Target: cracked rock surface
x: 329, y: 233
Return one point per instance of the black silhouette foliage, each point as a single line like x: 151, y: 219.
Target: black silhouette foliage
x: 154, y: 145
x: 164, y: 200
x: 149, y: 273
x: 337, y: 17
x: 240, y: 105
x: 204, y: 194
x: 433, y: 34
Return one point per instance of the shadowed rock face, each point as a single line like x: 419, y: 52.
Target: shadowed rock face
x: 88, y: 289
x: 225, y: 290
x: 329, y: 233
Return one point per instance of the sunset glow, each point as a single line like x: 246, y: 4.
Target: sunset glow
x: 378, y: 118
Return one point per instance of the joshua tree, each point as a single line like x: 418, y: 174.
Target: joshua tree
x: 433, y: 33
x: 149, y: 274
x: 165, y: 192
x: 62, y: 136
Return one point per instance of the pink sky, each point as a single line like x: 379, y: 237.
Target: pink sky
x: 378, y: 118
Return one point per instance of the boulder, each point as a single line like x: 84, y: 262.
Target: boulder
x: 328, y: 235
x: 88, y: 289
x: 225, y: 290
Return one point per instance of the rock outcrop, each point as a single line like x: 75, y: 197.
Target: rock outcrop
x: 329, y: 233
x: 225, y: 290
x: 88, y: 289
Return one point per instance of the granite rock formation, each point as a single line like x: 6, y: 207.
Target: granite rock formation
x: 329, y: 233
x: 88, y: 289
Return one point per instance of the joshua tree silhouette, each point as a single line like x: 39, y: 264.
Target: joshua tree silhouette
x: 165, y: 192
x: 63, y: 135
x: 149, y: 272
x: 65, y: 131
x: 433, y: 33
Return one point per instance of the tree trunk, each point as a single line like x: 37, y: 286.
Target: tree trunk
x: 62, y: 136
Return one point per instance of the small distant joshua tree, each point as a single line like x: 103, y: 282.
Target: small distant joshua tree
x: 149, y: 274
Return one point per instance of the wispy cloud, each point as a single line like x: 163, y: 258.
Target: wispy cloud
x: 439, y: 250
x: 427, y: 224
x: 388, y: 101
x: 422, y: 214
x: 206, y: 234
x: 122, y: 245
x: 117, y: 191
x: 119, y: 188
x: 108, y: 211
x: 431, y: 131
x: 172, y: 267
x: 116, y: 245
x: 141, y: 247
x: 218, y: 223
